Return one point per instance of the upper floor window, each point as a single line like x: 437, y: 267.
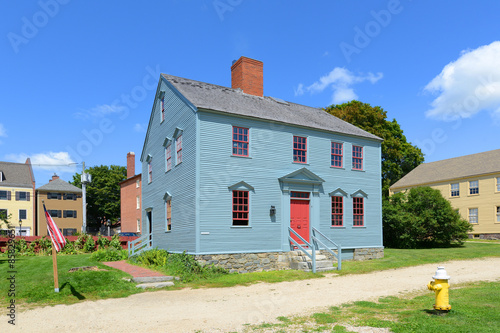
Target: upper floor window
x: 473, y: 215
x: 337, y: 211
x: 357, y: 158
x: 168, y: 157
x: 178, y: 149
x: 299, y: 149
x: 69, y: 213
x: 137, y: 202
x: 4, y: 195
x: 54, y: 213
x: 337, y: 152
x: 358, y: 211
x: 240, y: 141
x: 455, y: 190
x: 240, y: 208
x: 22, y: 214
x: 474, y: 187
x: 53, y: 195
x: 137, y: 183
x: 150, y: 172
x: 168, y: 212
x: 22, y: 196
x: 3, y: 213
x: 498, y: 184
x: 162, y: 108
x: 69, y: 196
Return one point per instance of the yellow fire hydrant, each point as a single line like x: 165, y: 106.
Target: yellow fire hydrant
x: 440, y: 286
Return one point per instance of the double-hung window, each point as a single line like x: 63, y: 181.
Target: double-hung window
x: 474, y: 187
x: 137, y: 202
x: 240, y: 208
x: 168, y: 212
x: 240, y: 141
x: 162, y: 108
x: 4, y: 195
x: 150, y: 171
x: 498, y: 184
x: 3, y: 213
x: 455, y: 190
x: 168, y: 157
x: 498, y: 213
x: 299, y: 149
x: 337, y: 152
x: 178, y: 150
x: 473, y: 215
x: 22, y: 214
x: 337, y: 211
x: 357, y: 158
x: 358, y: 211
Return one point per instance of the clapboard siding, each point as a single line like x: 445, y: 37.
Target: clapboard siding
x: 271, y: 158
x: 179, y: 181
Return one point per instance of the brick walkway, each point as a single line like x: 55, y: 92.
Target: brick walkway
x: 133, y: 270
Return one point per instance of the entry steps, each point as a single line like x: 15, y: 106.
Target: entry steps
x: 299, y: 261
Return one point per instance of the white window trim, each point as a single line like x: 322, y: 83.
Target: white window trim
x: 470, y: 187
x: 451, y: 190
x: 476, y: 215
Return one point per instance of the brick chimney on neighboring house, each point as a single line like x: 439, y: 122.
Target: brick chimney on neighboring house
x: 130, y: 164
x: 54, y: 177
x: 248, y: 75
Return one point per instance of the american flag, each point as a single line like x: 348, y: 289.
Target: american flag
x: 58, y: 240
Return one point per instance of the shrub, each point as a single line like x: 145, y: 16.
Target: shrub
x: 115, y: 242
x: 102, y: 242
x: 422, y: 218
x: 109, y: 254
x: 181, y: 264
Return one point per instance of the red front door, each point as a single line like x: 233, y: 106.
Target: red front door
x: 299, y: 219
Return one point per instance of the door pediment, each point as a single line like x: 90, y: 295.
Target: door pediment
x: 302, y: 176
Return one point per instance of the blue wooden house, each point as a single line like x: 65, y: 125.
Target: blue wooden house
x: 230, y: 175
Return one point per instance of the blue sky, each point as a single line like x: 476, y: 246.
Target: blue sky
x: 78, y: 77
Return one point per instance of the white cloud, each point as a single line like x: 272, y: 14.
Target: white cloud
x: 100, y: 111
x: 468, y: 85
x: 60, y: 161
x: 3, y: 131
x: 140, y: 128
x: 340, y: 80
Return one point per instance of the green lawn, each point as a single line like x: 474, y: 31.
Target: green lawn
x: 34, y: 280
x: 475, y: 308
x: 34, y: 283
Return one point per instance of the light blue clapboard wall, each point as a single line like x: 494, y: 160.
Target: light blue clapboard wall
x: 179, y: 182
x: 200, y: 185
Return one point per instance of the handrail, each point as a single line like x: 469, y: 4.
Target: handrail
x: 339, y: 248
x: 139, y: 245
x: 311, y: 256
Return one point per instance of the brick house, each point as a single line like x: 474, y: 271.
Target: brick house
x: 130, y: 198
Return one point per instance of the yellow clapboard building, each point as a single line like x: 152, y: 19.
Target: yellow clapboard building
x: 472, y: 185
x: 17, y: 200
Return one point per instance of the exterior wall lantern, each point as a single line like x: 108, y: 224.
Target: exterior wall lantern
x: 272, y: 211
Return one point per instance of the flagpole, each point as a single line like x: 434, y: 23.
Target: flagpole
x: 54, y: 259
x: 54, y: 265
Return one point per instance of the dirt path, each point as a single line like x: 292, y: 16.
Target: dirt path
x: 227, y: 309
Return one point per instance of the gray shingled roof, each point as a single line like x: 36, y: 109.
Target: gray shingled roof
x: 234, y: 101
x: 59, y: 185
x: 453, y: 168
x: 15, y: 174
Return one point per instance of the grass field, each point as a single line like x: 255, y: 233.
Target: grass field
x: 475, y: 308
x: 34, y: 279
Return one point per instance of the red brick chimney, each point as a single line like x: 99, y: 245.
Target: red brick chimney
x: 54, y: 177
x: 248, y: 75
x: 130, y: 164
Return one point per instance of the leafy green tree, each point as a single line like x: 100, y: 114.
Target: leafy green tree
x: 103, y: 193
x: 398, y: 155
x: 421, y: 217
x: 4, y: 223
